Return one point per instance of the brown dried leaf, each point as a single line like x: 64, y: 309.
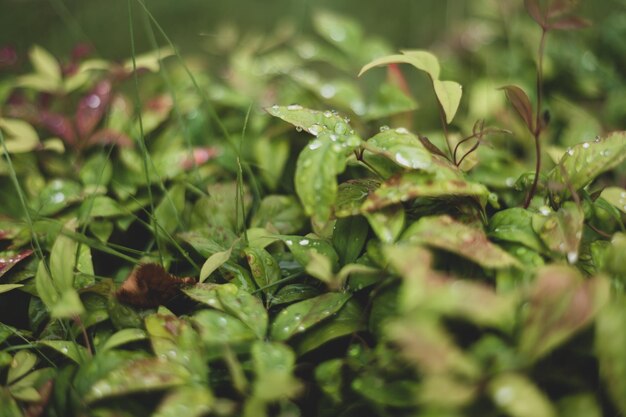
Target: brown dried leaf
x: 520, y: 101
x: 149, y: 285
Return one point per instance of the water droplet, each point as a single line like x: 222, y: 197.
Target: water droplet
x: 315, y: 145
x: 304, y: 242
x: 338, y: 34
x: 337, y: 147
x: 57, y: 197
x: 275, y: 108
x: 341, y: 128
x: 572, y: 257
x: 294, y: 107
x: 333, y: 137
x: 301, y: 328
x: 297, y: 316
x: 597, y: 139
x: 504, y: 395
x: 570, y: 151
x: 328, y: 91
x: 64, y: 350
x: 402, y: 160
x: 510, y: 181
x: 384, y: 128
x: 93, y: 101
x: 298, y: 128
x: 585, y: 145
x: 402, y: 131
x: 315, y: 129
x: 545, y: 210
x: 328, y: 113
x: 605, y: 153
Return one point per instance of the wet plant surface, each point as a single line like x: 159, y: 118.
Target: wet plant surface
x: 318, y: 225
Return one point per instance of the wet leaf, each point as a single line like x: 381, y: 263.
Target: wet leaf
x: 273, y: 365
x: 123, y: 337
x: 279, y: 212
x: 300, y: 316
x: 9, y: 259
x: 348, y: 320
x: 410, y: 185
x: 301, y: 247
x: 339, y: 31
x: 561, y: 303
x: 616, y: 196
x: 91, y: 108
x: 515, y: 225
x: 351, y: 195
x: 218, y: 329
x: 517, y: 396
x: 264, y: 268
x: 443, y: 232
x: 316, y: 176
x: 294, y: 292
x: 69, y: 349
x: 610, y: 345
x: 387, y: 222
x: 582, y: 163
x: 143, y: 375
x: 349, y: 236
x: 57, y: 195
x: 402, y: 147
x: 521, y: 103
x: 191, y: 401
x: 562, y: 231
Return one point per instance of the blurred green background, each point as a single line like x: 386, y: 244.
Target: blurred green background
x: 59, y: 24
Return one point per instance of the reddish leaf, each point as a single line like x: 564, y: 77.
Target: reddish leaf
x: 58, y: 125
x: 149, y: 285
x: 199, y: 156
x: 91, y: 108
x: 520, y: 101
x: 570, y: 23
x: 110, y: 137
x: 8, y: 57
x: 534, y: 10
x: 560, y: 7
x: 7, y: 263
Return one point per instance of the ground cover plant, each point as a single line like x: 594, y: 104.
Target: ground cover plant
x: 264, y: 233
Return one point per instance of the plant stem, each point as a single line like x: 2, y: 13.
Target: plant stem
x: 538, y: 123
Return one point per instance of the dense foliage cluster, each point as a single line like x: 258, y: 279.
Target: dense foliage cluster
x: 172, y: 246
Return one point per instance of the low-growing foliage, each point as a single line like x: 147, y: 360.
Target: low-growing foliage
x: 292, y: 240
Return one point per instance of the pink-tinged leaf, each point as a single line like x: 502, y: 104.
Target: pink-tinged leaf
x: 520, y: 101
x: 534, y: 10
x: 110, y: 137
x: 560, y: 7
x: 8, y: 262
x: 8, y: 57
x: 58, y: 125
x: 570, y: 23
x: 199, y: 156
x: 91, y: 108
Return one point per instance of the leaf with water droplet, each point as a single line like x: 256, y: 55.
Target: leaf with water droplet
x: 301, y: 247
x: 402, y: 147
x: 8, y: 259
x: 188, y: 401
x: 22, y: 363
x: 443, y: 232
x: 264, y: 268
x: 123, y: 337
x: 274, y: 367
x: 518, y: 396
x: 405, y: 186
x: 387, y: 222
x: 349, y: 236
x: 561, y: 231
x: 616, y: 196
x: 561, y: 303
x: 351, y: 195
x: 300, y: 316
x: 69, y: 349
x: 217, y: 329
x: 294, y: 292
x: 587, y: 161
x: 515, y: 225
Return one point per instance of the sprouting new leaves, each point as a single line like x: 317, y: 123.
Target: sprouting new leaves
x: 448, y: 92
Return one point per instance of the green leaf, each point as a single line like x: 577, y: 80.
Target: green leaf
x: 218, y: 329
x: 349, y: 236
x: 517, y: 396
x: 316, y: 176
x: 561, y: 303
x: 422, y: 60
x: 302, y: 246
x: 582, y: 163
x: 610, y: 345
x: 562, y: 231
x: 63, y: 259
x: 246, y: 307
x: 387, y: 223
x: 273, y: 365
x: 294, y: 292
x: 280, y: 212
x: 68, y: 305
x: 22, y: 363
x: 69, y: 349
x: 57, y: 195
x: 44, y: 63
x: 167, y: 214
x: 271, y: 155
x: 402, y: 147
x: 443, y: 232
x: 9, y: 287
x: 264, y: 268
x: 123, y: 337
x: 45, y: 288
x: 19, y: 136
x: 616, y: 196
x: 300, y: 316
x: 329, y: 378
x: 189, y: 401
x: 139, y: 376
x: 444, y: 183
x: 348, y: 320
x: 386, y: 393
x: 515, y: 225
x: 449, y: 96
x: 339, y: 31
x: 351, y: 195
x: 8, y: 405
x: 213, y: 262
